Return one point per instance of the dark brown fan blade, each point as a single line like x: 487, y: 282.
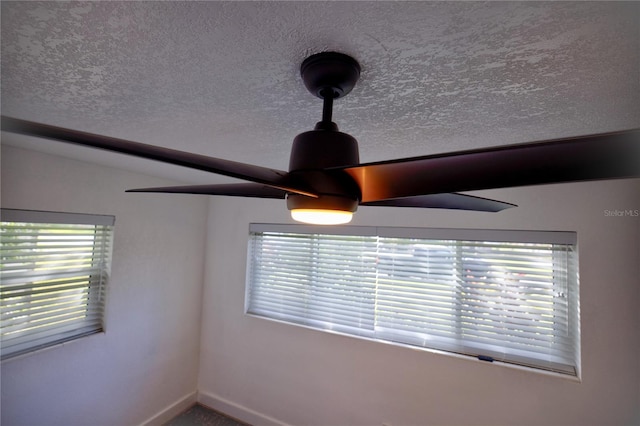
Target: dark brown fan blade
x: 235, y: 190
x: 271, y: 177
x: 451, y: 201
x: 596, y: 157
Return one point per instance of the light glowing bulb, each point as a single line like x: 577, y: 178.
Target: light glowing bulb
x: 322, y: 216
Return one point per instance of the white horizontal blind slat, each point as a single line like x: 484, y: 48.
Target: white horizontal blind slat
x: 511, y: 300
x: 502, y: 295
x: 53, y: 278
x: 300, y: 282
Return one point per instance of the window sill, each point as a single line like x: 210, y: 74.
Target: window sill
x: 53, y: 346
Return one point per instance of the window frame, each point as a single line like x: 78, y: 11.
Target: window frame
x: 567, y: 238
x: 81, y: 278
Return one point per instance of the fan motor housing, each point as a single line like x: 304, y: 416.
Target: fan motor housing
x: 322, y: 149
x: 311, y: 154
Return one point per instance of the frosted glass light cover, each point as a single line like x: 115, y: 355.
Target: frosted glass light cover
x: 321, y: 216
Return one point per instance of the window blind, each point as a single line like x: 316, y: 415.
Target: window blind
x: 508, y: 296
x: 54, y: 272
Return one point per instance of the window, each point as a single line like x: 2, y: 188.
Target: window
x: 54, y: 272
x: 509, y: 296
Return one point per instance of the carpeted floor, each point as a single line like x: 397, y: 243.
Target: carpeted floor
x: 199, y: 415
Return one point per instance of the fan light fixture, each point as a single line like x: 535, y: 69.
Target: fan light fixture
x: 324, y: 210
x: 321, y: 216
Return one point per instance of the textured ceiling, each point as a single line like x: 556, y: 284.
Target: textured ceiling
x: 222, y: 78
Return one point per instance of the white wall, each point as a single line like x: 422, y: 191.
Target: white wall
x: 148, y: 358
x: 266, y: 372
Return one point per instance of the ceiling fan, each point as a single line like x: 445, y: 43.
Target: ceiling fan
x: 326, y: 182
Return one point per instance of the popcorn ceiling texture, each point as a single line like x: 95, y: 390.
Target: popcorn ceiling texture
x: 222, y: 78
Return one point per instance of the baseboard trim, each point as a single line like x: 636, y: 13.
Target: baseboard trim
x: 237, y: 411
x: 173, y: 410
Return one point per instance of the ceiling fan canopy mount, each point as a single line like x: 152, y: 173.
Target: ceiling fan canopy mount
x: 330, y: 74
